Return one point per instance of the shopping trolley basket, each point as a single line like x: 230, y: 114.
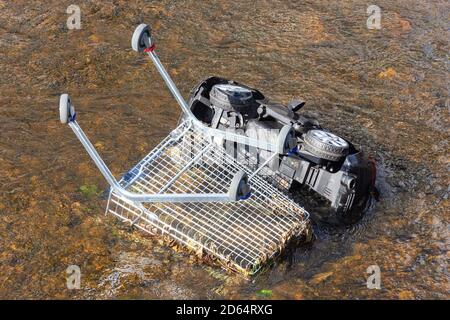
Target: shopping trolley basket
x: 191, y: 190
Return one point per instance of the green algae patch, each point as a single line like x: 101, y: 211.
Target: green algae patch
x: 90, y: 190
x: 264, y: 293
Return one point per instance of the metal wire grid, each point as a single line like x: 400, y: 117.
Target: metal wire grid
x: 253, y: 161
x: 242, y: 235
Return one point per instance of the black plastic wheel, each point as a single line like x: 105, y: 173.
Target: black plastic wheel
x: 326, y: 145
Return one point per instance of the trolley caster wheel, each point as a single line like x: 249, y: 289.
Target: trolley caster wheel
x: 286, y: 140
x: 239, y: 188
x: 66, y: 109
x: 141, y: 38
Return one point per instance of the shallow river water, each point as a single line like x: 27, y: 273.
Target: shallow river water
x: 387, y: 90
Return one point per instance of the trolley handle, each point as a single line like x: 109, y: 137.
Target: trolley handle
x: 238, y: 190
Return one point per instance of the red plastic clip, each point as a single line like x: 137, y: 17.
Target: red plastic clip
x: 150, y: 49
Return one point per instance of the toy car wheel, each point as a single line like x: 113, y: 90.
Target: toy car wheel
x: 326, y: 145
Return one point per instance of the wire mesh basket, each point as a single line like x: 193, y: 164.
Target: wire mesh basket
x: 241, y: 234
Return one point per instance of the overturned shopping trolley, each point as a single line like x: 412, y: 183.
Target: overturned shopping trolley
x: 191, y: 190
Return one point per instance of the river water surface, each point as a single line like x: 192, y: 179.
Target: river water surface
x: 386, y: 90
